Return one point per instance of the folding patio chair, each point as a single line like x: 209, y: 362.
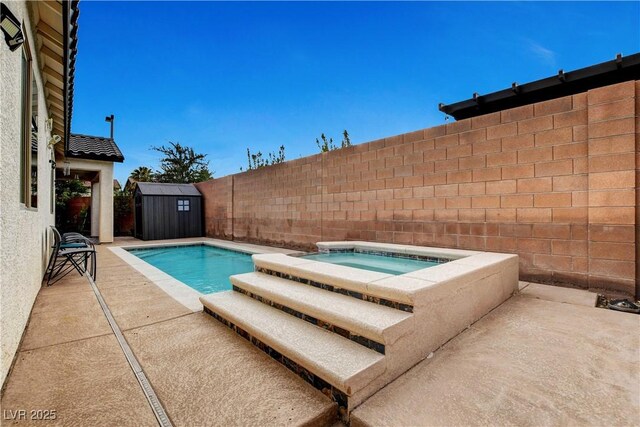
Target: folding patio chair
x: 71, y: 251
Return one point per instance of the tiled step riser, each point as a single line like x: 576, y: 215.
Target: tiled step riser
x: 354, y: 294
x: 366, y: 342
x: 325, y: 387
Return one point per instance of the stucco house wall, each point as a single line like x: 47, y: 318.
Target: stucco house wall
x: 23, y: 232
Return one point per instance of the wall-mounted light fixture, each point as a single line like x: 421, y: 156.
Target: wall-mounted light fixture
x: 48, y: 124
x: 54, y: 140
x: 11, y: 28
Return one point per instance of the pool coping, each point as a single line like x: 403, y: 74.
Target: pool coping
x: 178, y: 290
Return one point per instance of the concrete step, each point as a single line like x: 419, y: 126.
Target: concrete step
x: 331, y: 358
x: 379, y: 287
x: 357, y: 318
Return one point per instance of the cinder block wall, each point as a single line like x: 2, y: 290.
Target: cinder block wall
x: 555, y: 182
x: 218, y: 207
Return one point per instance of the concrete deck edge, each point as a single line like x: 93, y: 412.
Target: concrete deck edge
x: 560, y: 294
x: 180, y: 291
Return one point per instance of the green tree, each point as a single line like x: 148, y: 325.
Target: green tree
x: 256, y: 161
x: 65, y: 191
x: 142, y: 174
x: 203, y: 175
x: 122, y: 207
x: 181, y: 164
x: 326, y: 144
x: 68, y: 189
x: 346, y: 141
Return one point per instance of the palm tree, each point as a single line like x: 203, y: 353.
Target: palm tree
x: 142, y: 174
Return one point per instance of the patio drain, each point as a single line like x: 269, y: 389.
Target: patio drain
x: 150, y: 394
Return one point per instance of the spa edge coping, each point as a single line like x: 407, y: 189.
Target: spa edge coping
x: 409, y: 288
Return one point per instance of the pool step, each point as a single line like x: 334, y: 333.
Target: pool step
x: 357, y: 283
x: 353, y: 318
x: 325, y: 359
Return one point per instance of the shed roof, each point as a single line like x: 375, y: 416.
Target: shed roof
x: 94, y: 148
x: 564, y: 83
x: 164, y: 189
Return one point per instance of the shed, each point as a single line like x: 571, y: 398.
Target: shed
x: 167, y: 211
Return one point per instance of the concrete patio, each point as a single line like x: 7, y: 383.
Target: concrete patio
x: 532, y: 361
x: 203, y: 373
x: 545, y: 357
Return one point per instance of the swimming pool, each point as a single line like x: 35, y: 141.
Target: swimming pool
x: 374, y: 262
x: 202, y: 267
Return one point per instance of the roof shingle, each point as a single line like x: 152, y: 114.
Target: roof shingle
x: 94, y: 148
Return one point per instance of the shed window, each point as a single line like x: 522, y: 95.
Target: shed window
x: 183, y: 206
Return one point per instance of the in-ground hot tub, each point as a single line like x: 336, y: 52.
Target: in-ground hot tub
x: 398, y: 303
x: 382, y: 262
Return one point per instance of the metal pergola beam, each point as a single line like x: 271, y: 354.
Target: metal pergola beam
x: 563, y: 84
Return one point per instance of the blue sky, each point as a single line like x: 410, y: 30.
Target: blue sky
x: 221, y: 77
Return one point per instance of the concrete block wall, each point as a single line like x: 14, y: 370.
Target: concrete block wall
x: 218, y: 207
x: 613, y: 185
x: 282, y: 204
x: 555, y: 182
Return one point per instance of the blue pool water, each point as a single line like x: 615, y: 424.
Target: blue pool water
x: 204, y: 268
x: 379, y: 263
